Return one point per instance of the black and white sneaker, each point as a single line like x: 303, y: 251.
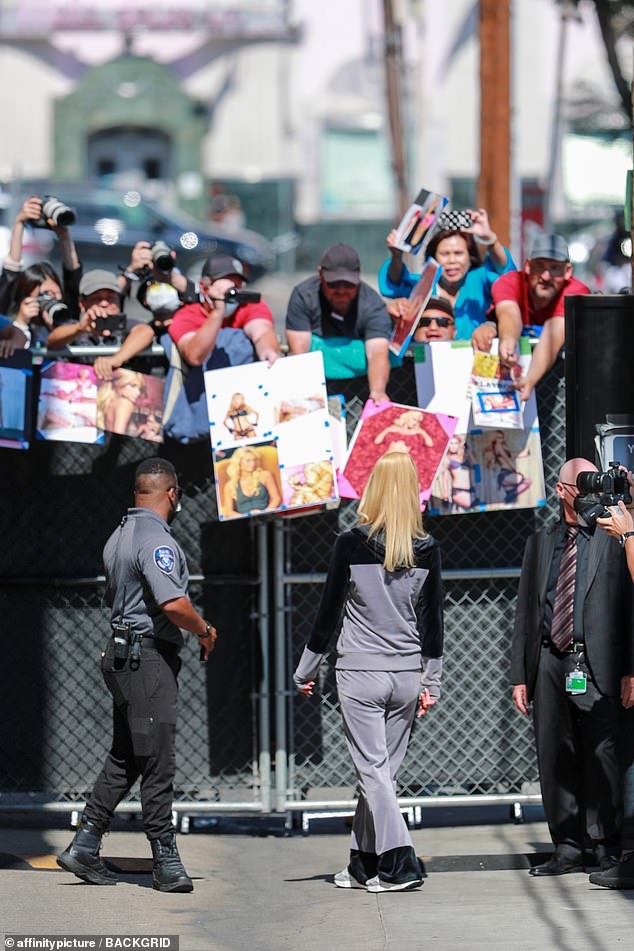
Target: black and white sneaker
x: 377, y: 884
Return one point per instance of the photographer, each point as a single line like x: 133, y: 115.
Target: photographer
x: 37, y: 302
x: 160, y: 288
x: 620, y: 524
x: 195, y: 328
x: 34, y: 212
x: 100, y: 312
x: 572, y: 651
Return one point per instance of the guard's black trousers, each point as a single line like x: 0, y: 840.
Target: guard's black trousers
x: 143, y: 737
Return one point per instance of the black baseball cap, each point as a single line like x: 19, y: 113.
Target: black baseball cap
x: 340, y: 262
x: 223, y: 265
x: 439, y: 303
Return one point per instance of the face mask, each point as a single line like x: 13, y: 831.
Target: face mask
x: 162, y: 297
x: 231, y: 308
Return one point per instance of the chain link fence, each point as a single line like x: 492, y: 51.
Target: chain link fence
x: 62, y: 501
x: 475, y: 743
x: 242, y: 745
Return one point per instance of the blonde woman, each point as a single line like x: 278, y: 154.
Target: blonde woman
x: 384, y: 583
x: 239, y: 419
x: 249, y: 488
x: 116, y: 402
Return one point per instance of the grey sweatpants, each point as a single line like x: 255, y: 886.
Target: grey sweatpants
x: 378, y: 710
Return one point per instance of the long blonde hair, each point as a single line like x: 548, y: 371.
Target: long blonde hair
x: 108, y: 391
x: 234, y: 465
x: 390, y: 505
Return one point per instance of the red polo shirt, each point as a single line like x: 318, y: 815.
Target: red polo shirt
x: 514, y: 286
x: 191, y: 317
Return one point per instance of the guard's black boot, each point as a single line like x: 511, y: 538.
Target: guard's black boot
x: 82, y: 856
x: 168, y: 872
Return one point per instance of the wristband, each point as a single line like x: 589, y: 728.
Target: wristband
x: 486, y: 244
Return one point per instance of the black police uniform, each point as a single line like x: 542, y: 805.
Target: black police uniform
x: 145, y: 567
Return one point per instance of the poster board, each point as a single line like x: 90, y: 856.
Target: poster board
x: 16, y: 392
x: 485, y: 468
x: 271, y: 436
x: 393, y: 427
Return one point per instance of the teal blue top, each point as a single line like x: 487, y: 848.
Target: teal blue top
x: 473, y: 299
x: 251, y: 503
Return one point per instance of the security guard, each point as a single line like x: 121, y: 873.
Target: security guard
x: 146, y: 575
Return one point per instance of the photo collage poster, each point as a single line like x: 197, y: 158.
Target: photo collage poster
x: 391, y: 427
x: 271, y: 437
x: 74, y: 406
x: 16, y: 390
x: 486, y: 468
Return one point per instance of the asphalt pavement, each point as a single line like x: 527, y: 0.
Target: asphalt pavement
x: 259, y: 889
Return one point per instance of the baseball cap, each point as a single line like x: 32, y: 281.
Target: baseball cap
x: 439, y: 303
x: 340, y: 262
x: 98, y: 280
x: 550, y: 246
x: 223, y: 265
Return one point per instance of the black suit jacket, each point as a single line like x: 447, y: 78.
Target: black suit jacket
x: 608, y: 611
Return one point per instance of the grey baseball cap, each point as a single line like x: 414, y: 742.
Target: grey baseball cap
x: 550, y: 246
x: 98, y: 280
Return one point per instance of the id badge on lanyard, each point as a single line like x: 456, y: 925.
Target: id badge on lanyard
x: 576, y: 681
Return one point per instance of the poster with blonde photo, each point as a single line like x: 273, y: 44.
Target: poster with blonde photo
x: 131, y: 404
x: 281, y: 414
x: 484, y: 468
x: 396, y: 428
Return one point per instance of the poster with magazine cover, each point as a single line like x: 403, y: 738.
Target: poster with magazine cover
x: 484, y: 468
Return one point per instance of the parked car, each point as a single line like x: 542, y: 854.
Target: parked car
x: 110, y: 222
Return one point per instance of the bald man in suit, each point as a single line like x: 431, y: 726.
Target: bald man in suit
x: 574, y: 675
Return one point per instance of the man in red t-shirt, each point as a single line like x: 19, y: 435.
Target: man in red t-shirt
x: 194, y: 328
x: 535, y: 296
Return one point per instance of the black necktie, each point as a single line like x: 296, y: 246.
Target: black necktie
x: 562, y: 622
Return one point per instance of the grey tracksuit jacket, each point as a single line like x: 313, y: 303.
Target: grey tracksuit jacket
x: 385, y: 620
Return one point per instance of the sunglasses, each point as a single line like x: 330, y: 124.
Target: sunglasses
x: 440, y: 321
x: 340, y: 285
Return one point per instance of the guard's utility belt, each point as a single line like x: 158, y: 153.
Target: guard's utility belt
x: 160, y: 645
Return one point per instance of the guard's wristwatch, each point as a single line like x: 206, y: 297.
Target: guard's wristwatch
x: 624, y: 537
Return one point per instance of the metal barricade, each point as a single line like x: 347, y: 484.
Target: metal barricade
x: 474, y: 747
x: 61, y: 501
x: 246, y: 741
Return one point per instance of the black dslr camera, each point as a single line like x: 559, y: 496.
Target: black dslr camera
x: 55, y: 309
x: 235, y: 296
x: 61, y: 214
x: 598, y: 490
x: 162, y: 257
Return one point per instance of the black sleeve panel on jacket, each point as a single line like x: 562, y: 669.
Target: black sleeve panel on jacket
x: 429, y: 608
x: 333, y: 595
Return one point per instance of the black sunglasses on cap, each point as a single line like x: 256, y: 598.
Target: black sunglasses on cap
x: 440, y: 321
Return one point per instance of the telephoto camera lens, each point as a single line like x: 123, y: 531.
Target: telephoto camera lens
x: 56, y: 309
x: 61, y: 214
x: 162, y: 257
